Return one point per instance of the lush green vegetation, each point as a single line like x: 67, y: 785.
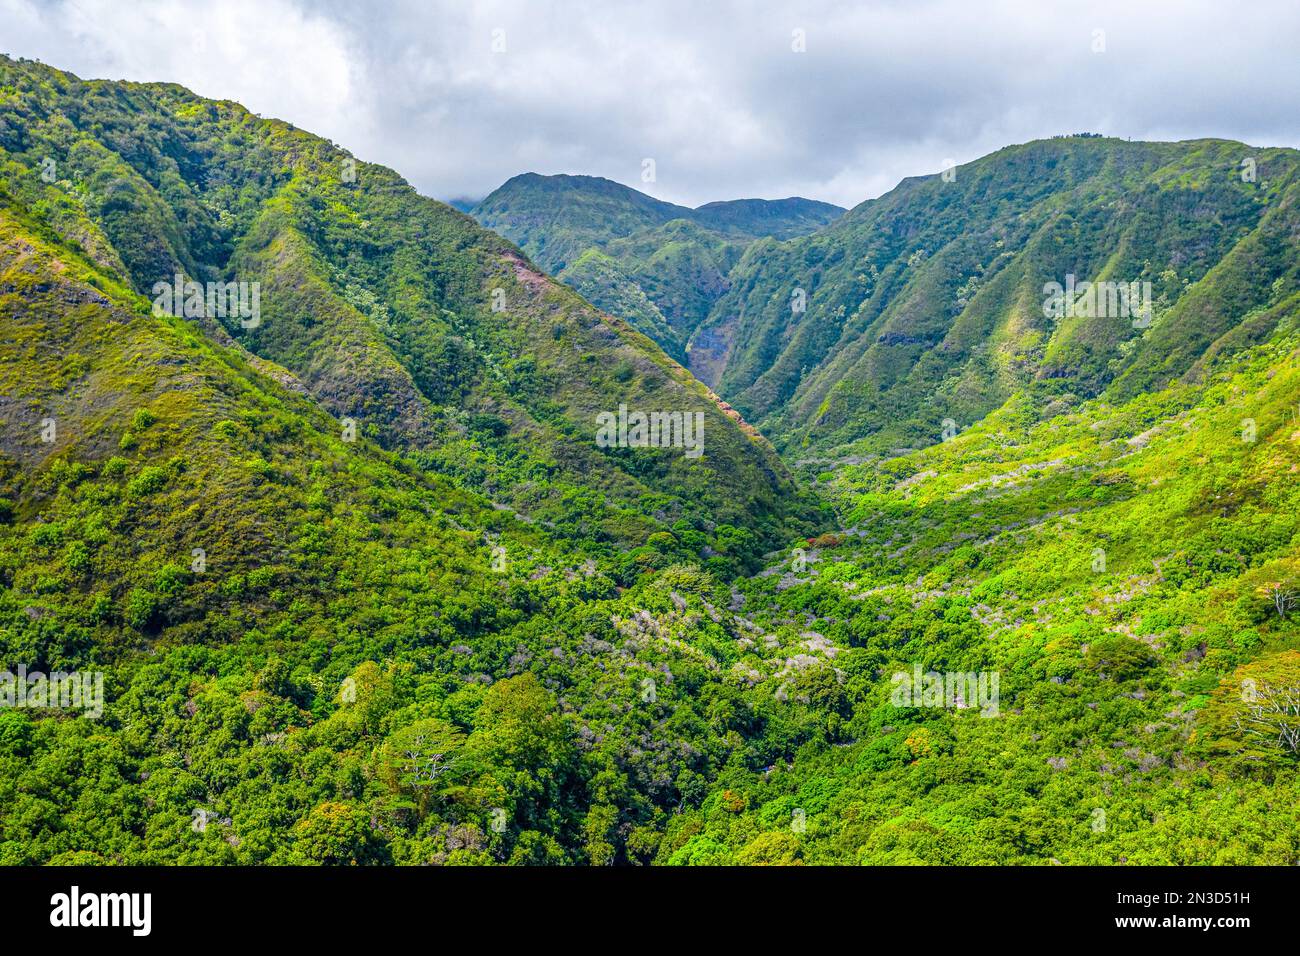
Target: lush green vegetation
x: 927, y: 303
x: 470, y: 636
x: 390, y: 309
x: 659, y: 266
x: 1117, y: 566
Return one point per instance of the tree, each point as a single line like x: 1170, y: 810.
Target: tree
x: 523, y: 741
x: 337, y: 834
x: 1119, y: 657
x: 1282, y: 595
x: 417, y: 759
x: 1273, y: 715
x: 1255, y: 714
x: 770, y: 849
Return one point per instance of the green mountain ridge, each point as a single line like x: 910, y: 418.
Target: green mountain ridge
x: 927, y: 304
x: 307, y: 541
x: 659, y: 265
x: 393, y: 310
x: 1097, y: 509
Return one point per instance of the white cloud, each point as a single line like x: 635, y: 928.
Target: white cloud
x: 269, y: 55
x: 712, y: 91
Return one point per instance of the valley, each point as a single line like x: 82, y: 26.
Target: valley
x: 376, y: 569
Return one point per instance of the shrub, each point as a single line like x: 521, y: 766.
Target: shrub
x: 142, y: 609
x: 149, y: 481
x: 1119, y: 657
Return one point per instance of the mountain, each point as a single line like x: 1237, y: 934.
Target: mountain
x: 433, y: 335
x: 674, y: 273
x: 361, y: 506
x: 1080, y: 523
x: 1101, y: 609
x: 658, y: 265
x: 330, y: 527
x: 928, y: 304
x: 462, y: 203
x: 775, y: 218
x: 556, y: 218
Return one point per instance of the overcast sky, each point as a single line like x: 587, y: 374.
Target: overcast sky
x: 458, y: 96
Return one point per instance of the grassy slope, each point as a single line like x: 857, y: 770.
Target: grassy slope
x: 1111, y: 565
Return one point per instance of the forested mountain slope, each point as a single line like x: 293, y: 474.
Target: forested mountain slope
x: 1100, y: 514
x: 658, y: 265
x: 368, y: 522
x: 556, y: 218
x: 432, y: 334
x: 287, y: 624
x: 928, y: 304
x: 1128, y: 570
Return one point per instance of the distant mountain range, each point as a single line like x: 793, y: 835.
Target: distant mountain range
x: 660, y: 266
x: 865, y: 331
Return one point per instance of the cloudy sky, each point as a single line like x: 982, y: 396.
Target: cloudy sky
x: 458, y: 96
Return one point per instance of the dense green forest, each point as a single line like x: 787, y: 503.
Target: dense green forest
x: 364, y: 589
